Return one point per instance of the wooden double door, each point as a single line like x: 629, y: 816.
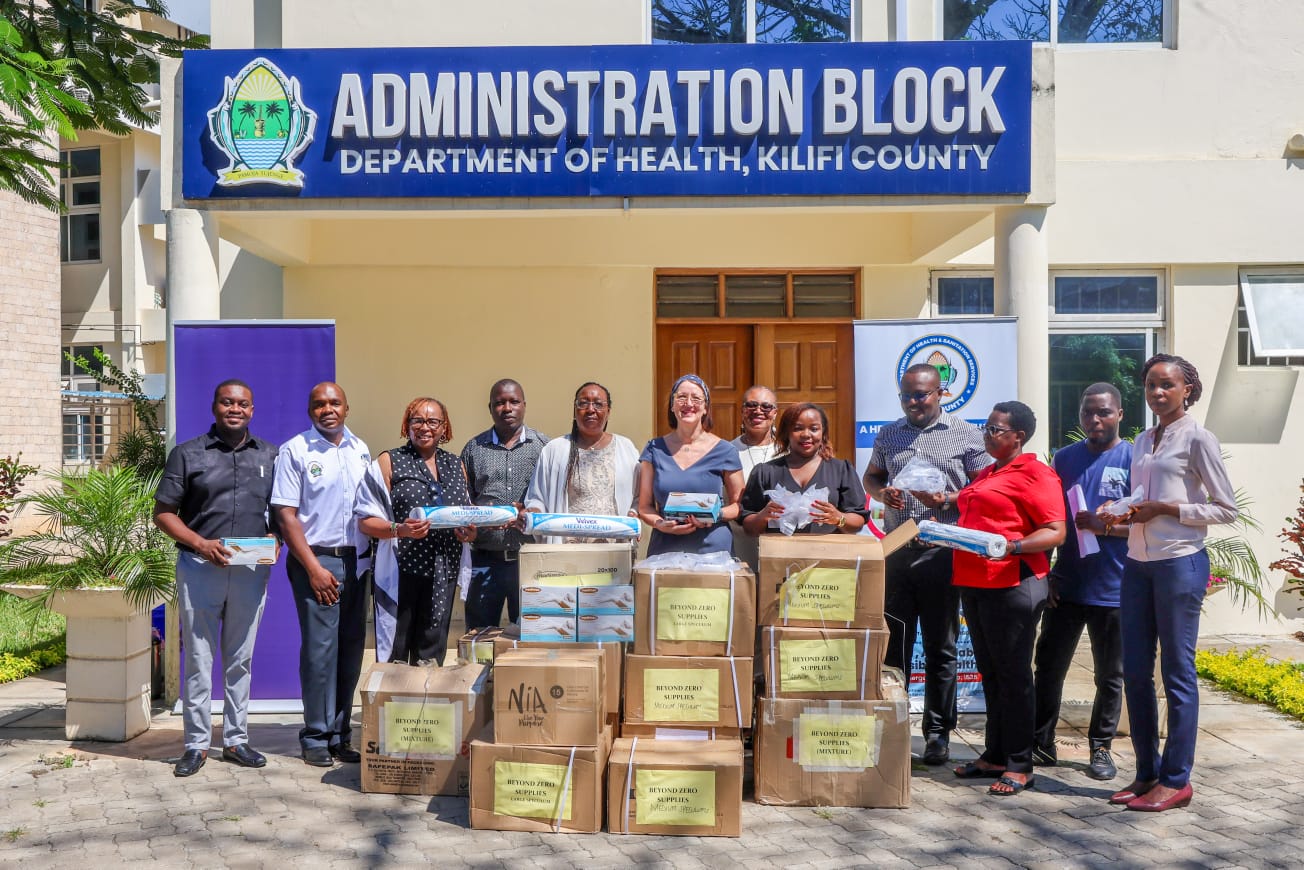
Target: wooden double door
x: 800, y: 362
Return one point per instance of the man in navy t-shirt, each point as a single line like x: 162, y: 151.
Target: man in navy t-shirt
x: 1084, y: 590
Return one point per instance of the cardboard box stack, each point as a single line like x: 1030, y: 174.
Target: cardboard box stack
x: 677, y: 768
x: 831, y: 729
x: 417, y: 724
x: 542, y: 765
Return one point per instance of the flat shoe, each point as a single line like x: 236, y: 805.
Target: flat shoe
x: 318, y: 756
x: 971, y: 770
x: 1132, y: 792
x: 1180, y: 798
x: 190, y: 762
x: 244, y: 755
x: 1013, y: 784
x: 346, y: 753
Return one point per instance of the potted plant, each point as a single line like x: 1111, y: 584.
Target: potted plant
x: 97, y: 558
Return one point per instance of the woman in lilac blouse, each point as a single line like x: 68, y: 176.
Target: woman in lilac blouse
x: 1179, y: 463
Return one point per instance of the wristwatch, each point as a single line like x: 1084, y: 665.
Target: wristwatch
x: 1017, y: 546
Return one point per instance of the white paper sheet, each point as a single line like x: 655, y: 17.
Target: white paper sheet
x: 1087, y: 543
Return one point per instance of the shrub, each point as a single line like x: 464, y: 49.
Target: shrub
x: 1250, y: 673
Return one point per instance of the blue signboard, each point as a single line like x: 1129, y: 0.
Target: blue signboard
x: 903, y: 118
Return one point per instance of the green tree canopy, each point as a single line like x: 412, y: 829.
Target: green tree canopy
x: 67, y: 66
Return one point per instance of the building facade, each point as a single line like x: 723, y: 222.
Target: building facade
x: 1155, y: 213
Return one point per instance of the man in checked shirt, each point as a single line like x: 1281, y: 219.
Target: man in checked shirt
x: 499, y: 464
x: 918, y: 576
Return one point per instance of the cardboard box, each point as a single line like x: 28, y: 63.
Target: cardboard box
x: 417, y: 724
x: 694, y: 691
x: 251, y: 551
x: 679, y: 732
x: 681, y: 613
x: 605, y: 628
x: 549, y: 697
x: 536, y: 627
x: 606, y: 600
x: 613, y: 663
x: 833, y: 753
x: 819, y: 581
x: 843, y: 664
x: 545, y: 789
x: 703, y: 505
x: 549, y: 600
x: 576, y: 564
x: 690, y: 788
x: 478, y: 646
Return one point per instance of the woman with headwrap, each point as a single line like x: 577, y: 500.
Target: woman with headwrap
x: 689, y: 459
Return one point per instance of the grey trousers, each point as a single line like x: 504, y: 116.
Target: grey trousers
x: 220, y: 609
x: 330, y: 657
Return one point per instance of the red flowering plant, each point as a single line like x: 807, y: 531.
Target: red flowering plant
x: 1293, y: 564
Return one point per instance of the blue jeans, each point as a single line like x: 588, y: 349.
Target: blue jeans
x: 330, y: 655
x: 1161, y: 603
x: 494, y: 580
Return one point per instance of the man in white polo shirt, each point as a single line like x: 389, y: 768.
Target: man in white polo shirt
x: 317, y: 473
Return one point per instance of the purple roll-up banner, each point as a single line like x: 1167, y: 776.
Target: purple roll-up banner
x: 281, y: 360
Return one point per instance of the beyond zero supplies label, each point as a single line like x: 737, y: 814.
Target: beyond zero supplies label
x: 421, y: 728
x: 533, y: 791
x: 675, y: 797
x: 693, y: 614
x: 820, y: 594
x: 835, y: 741
x: 681, y: 695
x: 817, y: 665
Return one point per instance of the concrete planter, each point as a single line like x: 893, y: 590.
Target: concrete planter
x: 108, y: 672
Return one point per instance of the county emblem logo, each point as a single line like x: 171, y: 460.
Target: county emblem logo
x: 262, y: 126
x: 957, y: 368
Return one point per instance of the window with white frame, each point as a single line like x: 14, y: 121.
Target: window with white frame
x: 79, y: 183
x: 715, y: 21
x: 1104, y: 325
x: 74, y: 378
x: 1059, y: 22
x: 1270, y: 317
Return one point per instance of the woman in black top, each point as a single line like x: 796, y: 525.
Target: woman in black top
x: 805, y: 460
x: 422, y: 474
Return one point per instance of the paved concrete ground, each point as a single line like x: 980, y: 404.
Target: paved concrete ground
x: 102, y: 805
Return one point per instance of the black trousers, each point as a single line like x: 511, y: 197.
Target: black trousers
x: 1061, y: 629
x: 919, y: 596
x: 330, y: 656
x: 425, y: 608
x: 1003, y: 626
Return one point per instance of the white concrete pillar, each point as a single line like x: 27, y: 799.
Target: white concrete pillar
x: 193, y: 293
x: 1022, y: 291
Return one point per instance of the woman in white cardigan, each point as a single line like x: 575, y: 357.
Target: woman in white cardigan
x: 589, y: 471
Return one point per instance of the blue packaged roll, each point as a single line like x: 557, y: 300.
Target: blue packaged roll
x: 581, y: 525
x: 456, y: 516
x: 985, y: 544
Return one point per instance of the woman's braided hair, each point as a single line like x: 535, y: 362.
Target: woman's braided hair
x: 1189, y: 374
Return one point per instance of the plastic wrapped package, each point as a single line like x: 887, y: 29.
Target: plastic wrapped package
x: 920, y: 475
x: 796, y: 506
x: 703, y: 563
x: 986, y: 544
x: 456, y: 516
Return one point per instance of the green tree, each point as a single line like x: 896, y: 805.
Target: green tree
x: 247, y: 111
x: 274, y: 110
x: 66, y: 66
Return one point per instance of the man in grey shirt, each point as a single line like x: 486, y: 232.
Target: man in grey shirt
x: 919, y: 590
x: 499, y: 464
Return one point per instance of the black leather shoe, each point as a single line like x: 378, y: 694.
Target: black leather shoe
x: 190, y: 762
x: 318, y: 756
x: 346, y: 753
x: 1102, y: 765
x: 937, y: 749
x: 243, y: 755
